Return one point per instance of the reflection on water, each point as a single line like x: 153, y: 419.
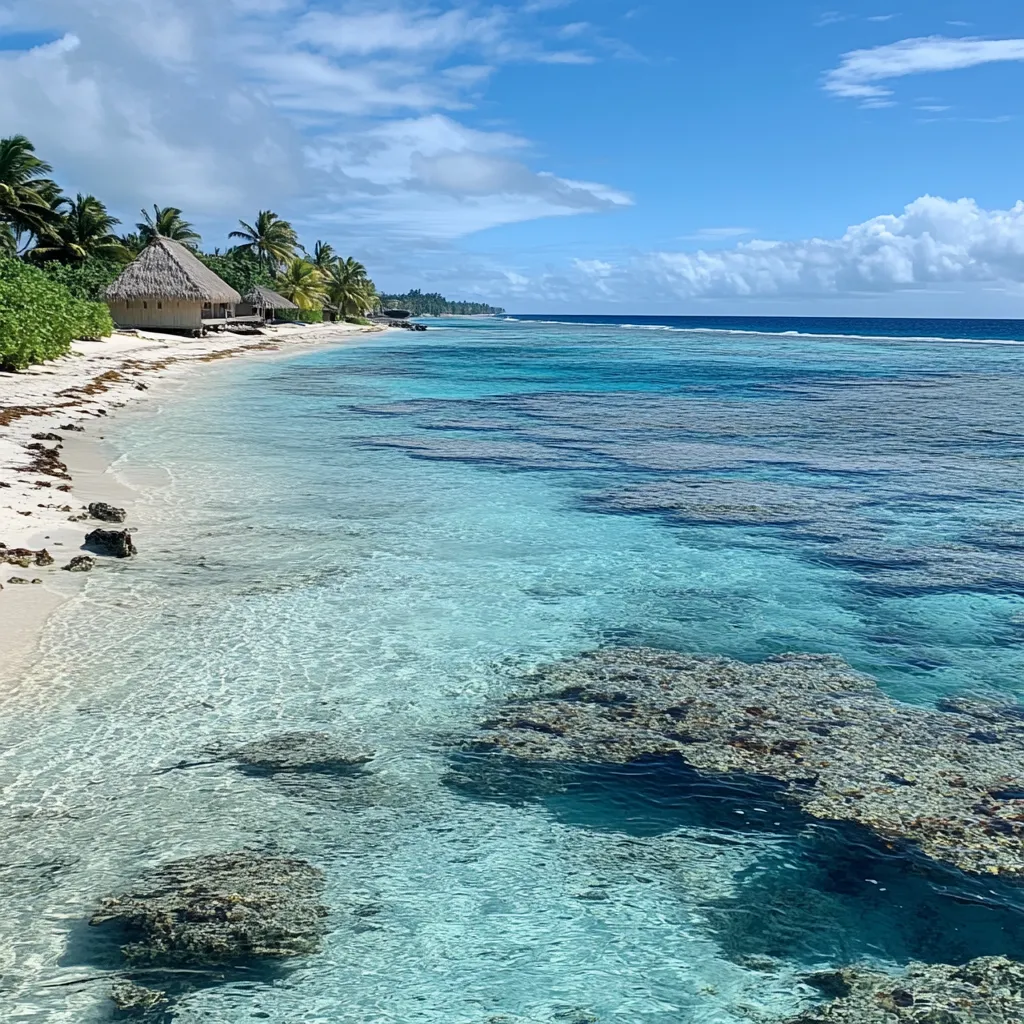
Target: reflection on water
x: 375, y: 541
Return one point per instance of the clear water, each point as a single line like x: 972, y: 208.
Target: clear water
x: 374, y: 539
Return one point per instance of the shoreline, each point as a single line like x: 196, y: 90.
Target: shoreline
x: 44, y: 494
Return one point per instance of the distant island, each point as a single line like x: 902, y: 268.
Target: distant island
x: 433, y: 304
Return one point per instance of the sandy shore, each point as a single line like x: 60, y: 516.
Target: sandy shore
x: 45, y: 491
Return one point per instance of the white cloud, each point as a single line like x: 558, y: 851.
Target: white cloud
x: 434, y: 176
x: 860, y: 71
x: 717, y: 234
x: 398, y: 31
x: 341, y: 114
x: 933, y: 243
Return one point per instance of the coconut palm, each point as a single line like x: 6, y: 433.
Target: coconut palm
x: 133, y: 243
x: 27, y: 195
x: 373, y: 300
x: 167, y: 222
x: 272, y: 240
x: 348, y: 287
x: 303, y: 283
x: 323, y: 256
x: 85, y: 229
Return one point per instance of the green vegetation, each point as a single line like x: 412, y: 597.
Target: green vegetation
x: 27, y: 196
x: 303, y: 316
x: 59, y: 255
x: 167, y: 222
x: 349, y: 289
x: 303, y: 284
x: 88, y: 279
x: 273, y: 241
x: 39, y: 318
x: 323, y: 256
x: 239, y: 268
x: 433, y: 304
x: 85, y: 231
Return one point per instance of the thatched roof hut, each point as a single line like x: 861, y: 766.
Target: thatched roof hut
x: 266, y: 298
x: 165, y: 269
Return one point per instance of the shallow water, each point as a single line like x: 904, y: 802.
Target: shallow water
x: 374, y: 540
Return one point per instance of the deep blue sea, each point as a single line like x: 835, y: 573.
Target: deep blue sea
x: 376, y: 539
x: 836, y: 327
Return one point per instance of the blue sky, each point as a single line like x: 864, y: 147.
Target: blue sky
x: 562, y: 155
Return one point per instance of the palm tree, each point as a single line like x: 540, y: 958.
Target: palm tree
x: 133, y: 243
x: 27, y: 195
x: 85, y: 229
x: 273, y: 241
x: 373, y: 301
x: 323, y: 256
x: 303, y: 283
x: 348, y: 287
x: 167, y: 222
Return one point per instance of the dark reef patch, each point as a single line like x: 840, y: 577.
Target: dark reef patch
x: 840, y: 748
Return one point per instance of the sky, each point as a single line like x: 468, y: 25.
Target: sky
x: 563, y: 156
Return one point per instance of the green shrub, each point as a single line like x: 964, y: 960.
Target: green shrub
x: 93, y: 320
x: 238, y: 268
x: 88, y: 280
x: 39, y: 318
x: 301, y: 316
x: 361, y: 320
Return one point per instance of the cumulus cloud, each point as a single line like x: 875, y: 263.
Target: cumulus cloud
x: 433, y: 176
x: 933, y: 242
x: 860, y: 72
x: 346, y: 113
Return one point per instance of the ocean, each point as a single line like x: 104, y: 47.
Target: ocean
x: 378, y: 540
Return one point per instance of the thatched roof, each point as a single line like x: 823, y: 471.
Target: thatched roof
x: 165, y: 269
x: 265, y: 298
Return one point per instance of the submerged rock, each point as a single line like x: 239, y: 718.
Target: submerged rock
x: 985, y: 991
x: 107, y: 513
x: 220, y: 909
x: 297, y: 751
x: 128, y: 996
x: 81, y: 563
x: 952, y: 783
x: 112, y: 542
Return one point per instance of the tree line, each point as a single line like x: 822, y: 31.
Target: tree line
x: 75, y: 242
x: 433, y: 304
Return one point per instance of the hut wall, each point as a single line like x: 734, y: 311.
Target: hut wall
x: 152, y: 314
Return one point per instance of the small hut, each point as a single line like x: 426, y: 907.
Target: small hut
x: 167, y: 287
x: 264, y: 302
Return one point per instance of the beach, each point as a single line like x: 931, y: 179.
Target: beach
x: 45, y: 507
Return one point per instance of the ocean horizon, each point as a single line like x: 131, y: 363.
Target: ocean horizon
x: 382, y: 540
x: 977, y: 329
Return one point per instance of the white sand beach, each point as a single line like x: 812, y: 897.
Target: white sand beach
x: 41, y: 502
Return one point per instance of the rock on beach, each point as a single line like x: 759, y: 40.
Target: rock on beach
x: 220, y: 909
x: 949, y: 782
x: 81, y: 563
x: 107, y: 513
x: 111, y: 542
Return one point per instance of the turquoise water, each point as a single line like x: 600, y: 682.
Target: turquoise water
x: 375, y: 539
